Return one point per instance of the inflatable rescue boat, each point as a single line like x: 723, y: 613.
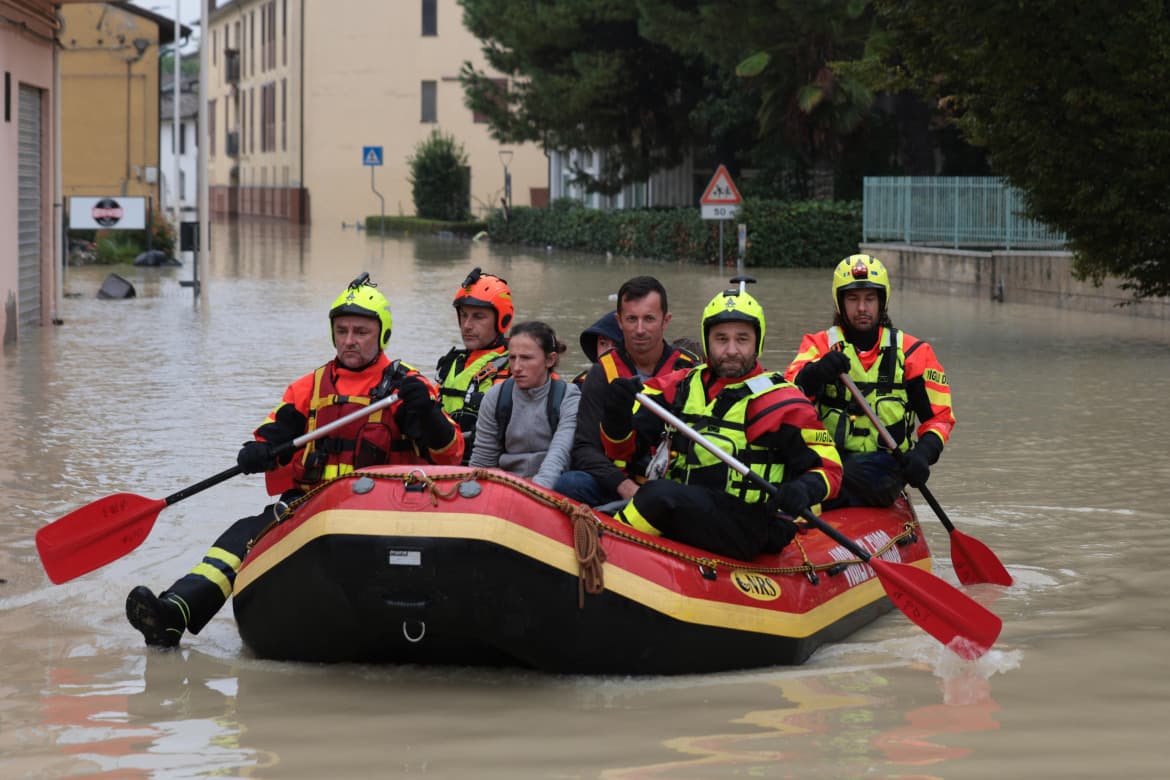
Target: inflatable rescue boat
x: 451, y: 565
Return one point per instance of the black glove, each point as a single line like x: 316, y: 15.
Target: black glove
x: 256, y: 456
x: 917, y: 462
x: 915, y: 468
x: 420, y: 417
x: 618, y: 410
x: 818, y: 373
x: 415, y: 396
x: 791, y: 498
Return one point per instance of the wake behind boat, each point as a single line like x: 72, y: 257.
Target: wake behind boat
x: 449, y: 565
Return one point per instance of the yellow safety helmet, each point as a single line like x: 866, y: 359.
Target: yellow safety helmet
x: 858, y: 272
x: 735, y: 305
x: 360, y: 299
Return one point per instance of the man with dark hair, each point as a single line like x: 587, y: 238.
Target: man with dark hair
x: 643, y: 315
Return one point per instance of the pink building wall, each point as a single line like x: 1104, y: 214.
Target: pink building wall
x: 26, y: 58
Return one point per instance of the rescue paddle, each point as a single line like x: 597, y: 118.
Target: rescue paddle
x: 974, y: 561
x: 943, y: 611
x: 104, y: 530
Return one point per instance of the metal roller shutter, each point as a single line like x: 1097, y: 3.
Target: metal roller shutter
x: 29, y: 208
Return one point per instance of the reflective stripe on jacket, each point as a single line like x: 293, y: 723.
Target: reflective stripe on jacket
x: 371, y: 441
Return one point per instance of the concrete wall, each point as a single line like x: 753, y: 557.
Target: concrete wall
x: 1037, y: 277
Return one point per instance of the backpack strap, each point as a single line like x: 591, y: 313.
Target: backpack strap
x: 556, y: 395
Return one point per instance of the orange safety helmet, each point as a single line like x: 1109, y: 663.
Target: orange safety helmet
x: 489, y: 291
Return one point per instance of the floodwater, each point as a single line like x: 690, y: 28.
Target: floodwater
x: 1058, y: 464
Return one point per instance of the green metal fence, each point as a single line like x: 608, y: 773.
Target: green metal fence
x: 956, y: 211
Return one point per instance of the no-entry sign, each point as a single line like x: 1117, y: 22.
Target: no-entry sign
x: 107, y: 212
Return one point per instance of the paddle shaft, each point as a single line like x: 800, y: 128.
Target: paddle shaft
x: 764, y: 484
x: 859, y: 397
x: 288, y: 446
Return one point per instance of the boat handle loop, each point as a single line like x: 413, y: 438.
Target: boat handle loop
x: 421, y: 633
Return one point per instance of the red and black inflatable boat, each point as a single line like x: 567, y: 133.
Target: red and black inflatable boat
x: 449, y: 565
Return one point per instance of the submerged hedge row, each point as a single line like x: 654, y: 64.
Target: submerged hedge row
x: 780, y: 233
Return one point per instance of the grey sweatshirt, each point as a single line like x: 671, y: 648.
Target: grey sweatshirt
x: 530, y: 449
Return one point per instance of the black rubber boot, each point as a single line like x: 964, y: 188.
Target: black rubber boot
x: 160, y: 619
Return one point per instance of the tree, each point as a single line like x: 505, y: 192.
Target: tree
x: 783, y: 50
x: 584, y: 77
x: 440, y: 179
x: 1069, y: 99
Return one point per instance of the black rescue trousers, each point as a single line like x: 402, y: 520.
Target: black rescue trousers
x: 207, y: 587
x: 707, y: 518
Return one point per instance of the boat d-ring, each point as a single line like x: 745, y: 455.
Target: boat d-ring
x: 416, y: 480
x: 422, y: 631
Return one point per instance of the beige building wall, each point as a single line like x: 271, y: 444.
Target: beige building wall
x: 109, y: 101
x: 254, y: 109
x: 363, y: 64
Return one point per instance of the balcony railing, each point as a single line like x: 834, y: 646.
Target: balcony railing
x: 955, y: 211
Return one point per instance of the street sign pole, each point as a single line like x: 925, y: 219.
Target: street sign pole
x: 382, y: 222
x: 721, y: 243
x: 372, y: 157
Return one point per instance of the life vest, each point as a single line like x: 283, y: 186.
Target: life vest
x: 616, y: 366
x: 462, y: 386
x: 370, y: 441
x: 884, y: 387
x: 723, y: 422
x: 556, y: 394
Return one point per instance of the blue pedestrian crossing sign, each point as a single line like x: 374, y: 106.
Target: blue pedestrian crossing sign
x: 371, y: 155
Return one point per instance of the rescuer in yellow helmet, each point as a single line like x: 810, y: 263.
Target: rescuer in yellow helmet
x: 902, y: 380
x: 760, y: 419
x: 412, y: 430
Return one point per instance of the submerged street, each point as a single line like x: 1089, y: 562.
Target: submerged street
x: 1055, y: 464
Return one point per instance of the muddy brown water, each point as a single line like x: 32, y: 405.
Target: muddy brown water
x: 1058, y: 464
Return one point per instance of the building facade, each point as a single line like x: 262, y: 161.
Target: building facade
x: 179, y: 153
x: 298, y: 88
x: 673, y: 187
x: 29, y: 279
x: 110, y: 99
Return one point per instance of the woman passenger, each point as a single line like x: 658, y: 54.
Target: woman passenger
x: 526, y: 422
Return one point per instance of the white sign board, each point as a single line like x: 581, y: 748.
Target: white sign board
x: 719, y: 212
x: 119, y: 212
x: 721, y: 199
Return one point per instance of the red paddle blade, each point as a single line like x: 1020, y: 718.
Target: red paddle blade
x: 940, y: 609
x: 96, y: 534
x: 975, y: 563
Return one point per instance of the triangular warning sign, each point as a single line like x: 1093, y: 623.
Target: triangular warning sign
x: 372, y: 157
x: 721, y: 190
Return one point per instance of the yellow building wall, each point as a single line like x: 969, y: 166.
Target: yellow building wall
x: 109, y: 102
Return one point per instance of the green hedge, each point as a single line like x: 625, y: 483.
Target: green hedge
x: 780, y: 233
x: 420, y: 225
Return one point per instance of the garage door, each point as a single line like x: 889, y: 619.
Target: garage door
x: 29, y: 206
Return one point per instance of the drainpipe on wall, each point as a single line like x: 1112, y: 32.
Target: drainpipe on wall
x: 303, y: 188
x: 59, y: 246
